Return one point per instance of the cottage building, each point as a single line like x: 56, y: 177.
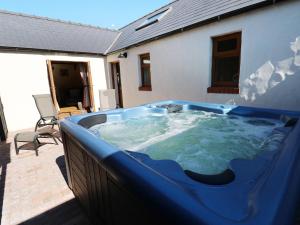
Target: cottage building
x: 234, y: 52
x: 40, y: 55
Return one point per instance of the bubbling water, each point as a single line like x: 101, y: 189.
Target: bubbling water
x: 200, y: 141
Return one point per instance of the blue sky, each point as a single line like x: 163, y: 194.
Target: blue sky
x: 103, y: 13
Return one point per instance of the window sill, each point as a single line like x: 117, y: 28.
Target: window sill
x: 145, y: 88
x: 223, y: 90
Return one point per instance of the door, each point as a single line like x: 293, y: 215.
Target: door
x: 52, y: 85
x: 117, y: 83
x: 3, y: 127
x: 90, y: 84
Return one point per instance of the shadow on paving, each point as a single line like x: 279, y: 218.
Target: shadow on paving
x: 68, y: 213
x: 4, y: 160
x: 60, y: 161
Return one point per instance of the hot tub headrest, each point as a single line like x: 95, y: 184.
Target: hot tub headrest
x: 218, y: 179
x: 93, y: 120
x: 291, y: 122
x: 172, y: 108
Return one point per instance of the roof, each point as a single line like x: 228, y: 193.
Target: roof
x: 182, y: 15
x: 41, y: 33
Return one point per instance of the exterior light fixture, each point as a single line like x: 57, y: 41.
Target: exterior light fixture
x: 123, y: 55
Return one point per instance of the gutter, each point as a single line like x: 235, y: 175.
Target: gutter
x: 33, y: 50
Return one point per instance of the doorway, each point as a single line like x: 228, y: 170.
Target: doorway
x: 117, y: 83
x: 71, y: 85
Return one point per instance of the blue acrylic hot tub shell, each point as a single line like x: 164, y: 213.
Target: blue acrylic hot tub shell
x: 265, y: 190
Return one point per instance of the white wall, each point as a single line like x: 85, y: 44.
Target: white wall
x: 181, y: 64
x: 24, y: 74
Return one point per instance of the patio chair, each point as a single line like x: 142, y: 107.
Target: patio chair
x: 47, y: 111
x: 107, y: 99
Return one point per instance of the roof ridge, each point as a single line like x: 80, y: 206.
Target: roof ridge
x: 172, y: 2
x: 56, y: 20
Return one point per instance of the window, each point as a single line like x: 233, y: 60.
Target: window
x: 145, y: 72
x: 152, y: 19
x: 226, y: 64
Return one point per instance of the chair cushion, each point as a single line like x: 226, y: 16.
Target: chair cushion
x: 28, y: 136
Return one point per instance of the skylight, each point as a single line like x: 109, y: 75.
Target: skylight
x: 152, y: 19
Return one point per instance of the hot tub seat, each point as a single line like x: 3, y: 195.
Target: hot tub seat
x: 173, y: 170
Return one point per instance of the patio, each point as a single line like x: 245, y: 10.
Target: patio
x: 33, y: 190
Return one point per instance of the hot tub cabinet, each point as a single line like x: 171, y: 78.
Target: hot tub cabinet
x: 119, y: 187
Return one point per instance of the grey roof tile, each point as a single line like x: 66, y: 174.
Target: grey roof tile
x: 31, y: 32
x: 183, y: 13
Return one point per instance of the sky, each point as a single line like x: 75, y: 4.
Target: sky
x: 103, y: 13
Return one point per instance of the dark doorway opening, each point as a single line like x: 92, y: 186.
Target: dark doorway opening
x: 71, y: 84
x: 117, y: 83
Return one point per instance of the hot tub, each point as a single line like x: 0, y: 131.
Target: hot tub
x: 179, y: 162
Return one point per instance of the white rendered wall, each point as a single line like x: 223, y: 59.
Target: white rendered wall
x: 181, y: 64
x: 23, y: 75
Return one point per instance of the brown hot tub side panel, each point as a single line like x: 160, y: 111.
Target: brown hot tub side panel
x: 104, y: 200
